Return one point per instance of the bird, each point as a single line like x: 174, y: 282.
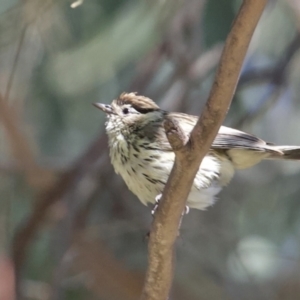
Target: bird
x: 140, y: 151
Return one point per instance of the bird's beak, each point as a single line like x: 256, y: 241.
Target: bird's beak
x: 105, y: 107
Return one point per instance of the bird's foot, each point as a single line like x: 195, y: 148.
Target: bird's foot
x: 155, y: 207
x: 157, y: 199
x: 186, y: 210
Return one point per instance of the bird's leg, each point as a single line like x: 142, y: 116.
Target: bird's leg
x: 186, y: 210
x: 154, y: 209
x: 157, y: 199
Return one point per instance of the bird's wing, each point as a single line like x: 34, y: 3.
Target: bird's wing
x: 186, y: 123
x: 227, y: 138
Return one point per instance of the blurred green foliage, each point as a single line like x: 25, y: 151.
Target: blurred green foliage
x: 245, y: 247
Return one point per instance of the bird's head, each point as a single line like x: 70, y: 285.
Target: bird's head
x: 129, y: 111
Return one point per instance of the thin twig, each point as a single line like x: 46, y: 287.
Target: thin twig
x: 15, y: 64
x: 35, y: 175
x: 48, y: 198
x: 276, y: 80
x: 188, y: 158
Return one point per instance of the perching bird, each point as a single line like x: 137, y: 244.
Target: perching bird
x: 141, y: 154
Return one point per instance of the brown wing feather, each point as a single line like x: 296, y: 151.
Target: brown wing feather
x: 227, y: 138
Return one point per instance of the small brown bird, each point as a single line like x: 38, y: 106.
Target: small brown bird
x: 141, y: 154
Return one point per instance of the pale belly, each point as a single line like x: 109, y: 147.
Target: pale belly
x: 146, y: 174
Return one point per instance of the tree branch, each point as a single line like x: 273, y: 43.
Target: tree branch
x: 35, y: 175
x: 189, y: 156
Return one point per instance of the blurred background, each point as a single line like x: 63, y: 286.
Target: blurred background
x: 69, y: 227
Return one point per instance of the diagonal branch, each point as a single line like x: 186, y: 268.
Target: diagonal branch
x: 36, y: 176
x: 189, y: 156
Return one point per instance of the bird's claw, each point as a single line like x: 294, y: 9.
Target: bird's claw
x: 157, y: 200
x: 186, y: 210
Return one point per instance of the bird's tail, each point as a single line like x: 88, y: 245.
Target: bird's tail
x: 285, y: 152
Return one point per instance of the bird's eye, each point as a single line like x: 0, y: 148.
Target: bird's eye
x: 125, y: 111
